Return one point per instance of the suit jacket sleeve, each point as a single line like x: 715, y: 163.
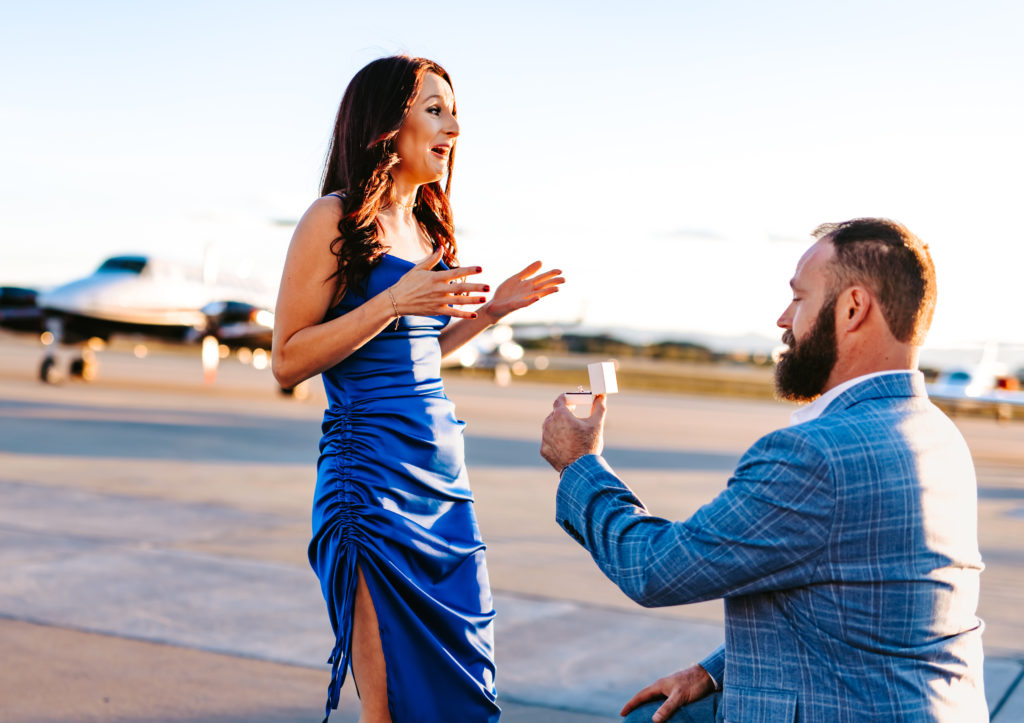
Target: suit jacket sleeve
x: 764, y: 532
x: 714, y: 664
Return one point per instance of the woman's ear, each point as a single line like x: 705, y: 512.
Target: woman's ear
x: 852, y: 308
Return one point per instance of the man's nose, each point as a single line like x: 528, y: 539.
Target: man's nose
x: 785, y: 321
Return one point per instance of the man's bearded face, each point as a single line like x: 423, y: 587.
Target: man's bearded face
x: 803, y: 370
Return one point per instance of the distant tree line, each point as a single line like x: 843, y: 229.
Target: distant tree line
x: 608, y: 345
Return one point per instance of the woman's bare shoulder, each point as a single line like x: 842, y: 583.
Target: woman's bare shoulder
x: 319, y: 221
x: 322, y: 210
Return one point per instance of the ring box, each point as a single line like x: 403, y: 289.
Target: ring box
x: 602, y: 381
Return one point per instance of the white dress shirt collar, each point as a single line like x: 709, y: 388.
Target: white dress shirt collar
x: 814, y: 410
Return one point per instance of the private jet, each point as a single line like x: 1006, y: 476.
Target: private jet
x: 988, y: 384
x: 141, y: 296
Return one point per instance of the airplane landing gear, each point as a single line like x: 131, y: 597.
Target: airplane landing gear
x: 83, y: 367
x: 48, y: 372
x: 299, y: 391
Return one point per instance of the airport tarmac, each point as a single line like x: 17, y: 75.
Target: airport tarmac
x: 153, y: 534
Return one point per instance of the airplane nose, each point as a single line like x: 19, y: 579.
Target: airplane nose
x: 78, y: 296
x: 64, y: 299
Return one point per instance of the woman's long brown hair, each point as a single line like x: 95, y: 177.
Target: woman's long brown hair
x: 359, y: 163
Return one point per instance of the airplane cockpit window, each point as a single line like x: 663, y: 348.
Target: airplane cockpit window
x: 123, y: 264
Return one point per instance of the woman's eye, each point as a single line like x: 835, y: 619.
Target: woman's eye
x: 434, y: 109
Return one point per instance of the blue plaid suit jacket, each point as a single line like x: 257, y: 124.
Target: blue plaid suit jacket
x: 845, y: 549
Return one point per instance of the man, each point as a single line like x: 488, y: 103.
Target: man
x: 845, y: 545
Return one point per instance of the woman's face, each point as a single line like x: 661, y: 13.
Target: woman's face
x: 428, y: 134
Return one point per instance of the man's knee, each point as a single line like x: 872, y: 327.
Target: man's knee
x: 643, y: 714
x: 704, y: 710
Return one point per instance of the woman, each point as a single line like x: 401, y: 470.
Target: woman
x: 372, y: 297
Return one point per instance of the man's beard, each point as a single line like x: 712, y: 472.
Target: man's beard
x: 802, y: 372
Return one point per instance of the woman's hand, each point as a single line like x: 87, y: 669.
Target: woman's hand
x: 521, y: 290
x: 423, y: 292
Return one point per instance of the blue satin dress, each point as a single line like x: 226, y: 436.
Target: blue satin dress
x: 393, y: 499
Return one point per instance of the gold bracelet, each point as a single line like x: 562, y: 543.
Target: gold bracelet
x: 395, y: 307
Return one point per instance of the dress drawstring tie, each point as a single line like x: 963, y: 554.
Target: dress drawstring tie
x: 342, y: 652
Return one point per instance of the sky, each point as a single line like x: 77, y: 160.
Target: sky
x: 671, y: 157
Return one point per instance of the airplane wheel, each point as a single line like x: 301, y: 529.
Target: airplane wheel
x: 48, y: 373
x: 299, y: 391
x: 83, y: 369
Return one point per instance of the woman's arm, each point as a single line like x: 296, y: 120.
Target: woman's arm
x: 305, y: 345
x: 517, y: 291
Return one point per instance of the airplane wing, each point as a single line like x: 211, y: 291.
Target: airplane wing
x: 954, y: 398
x: 992, y: 396
x: 998, y: 396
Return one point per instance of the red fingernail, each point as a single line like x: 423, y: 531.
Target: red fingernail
x: 479, y: 268
x: 486, y: 287
x: 474, y: 316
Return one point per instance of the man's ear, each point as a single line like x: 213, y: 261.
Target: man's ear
x: 852, y: 308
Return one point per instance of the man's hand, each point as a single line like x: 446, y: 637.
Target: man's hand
x: 679, y: 688
x: 566, y: 438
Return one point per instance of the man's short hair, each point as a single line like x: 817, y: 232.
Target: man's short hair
x: 893, y: 264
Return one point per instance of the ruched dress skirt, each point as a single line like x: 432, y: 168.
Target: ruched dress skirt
x: 393, y: 500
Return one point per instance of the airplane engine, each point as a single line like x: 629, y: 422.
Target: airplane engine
x: 239, y: 324
x: 19, y: 310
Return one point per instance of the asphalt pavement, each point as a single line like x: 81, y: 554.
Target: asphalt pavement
x: 153, y: 532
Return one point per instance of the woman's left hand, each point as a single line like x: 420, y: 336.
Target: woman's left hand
x: 522, y: 289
